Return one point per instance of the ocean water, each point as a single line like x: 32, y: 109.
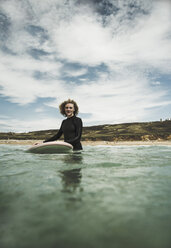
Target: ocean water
x: 106, y: 196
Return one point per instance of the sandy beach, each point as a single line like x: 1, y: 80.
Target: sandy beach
x: 94, y: 143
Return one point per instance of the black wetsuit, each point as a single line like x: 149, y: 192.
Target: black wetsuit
x: 72, y: 130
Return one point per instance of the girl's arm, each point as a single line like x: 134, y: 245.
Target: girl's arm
x: 56, y: 136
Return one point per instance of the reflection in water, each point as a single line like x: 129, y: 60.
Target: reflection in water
x: 71, y: 179
x: 74, y: 158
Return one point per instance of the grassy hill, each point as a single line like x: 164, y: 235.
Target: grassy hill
x: 118, y: 132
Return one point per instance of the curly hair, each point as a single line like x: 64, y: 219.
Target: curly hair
x: 62, y: 107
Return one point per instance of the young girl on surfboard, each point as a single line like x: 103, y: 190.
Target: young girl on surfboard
x: 71, y: 127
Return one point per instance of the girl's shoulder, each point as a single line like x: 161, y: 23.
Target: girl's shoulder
x: 76, y: 118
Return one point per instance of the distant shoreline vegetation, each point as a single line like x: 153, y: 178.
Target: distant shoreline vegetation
x: 138, y: 131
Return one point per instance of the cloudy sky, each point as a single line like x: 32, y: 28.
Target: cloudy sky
x: 111, y: 56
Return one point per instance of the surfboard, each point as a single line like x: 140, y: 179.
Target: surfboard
x: 51, y: 147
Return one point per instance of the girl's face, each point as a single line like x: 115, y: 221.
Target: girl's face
x: 69, y: 110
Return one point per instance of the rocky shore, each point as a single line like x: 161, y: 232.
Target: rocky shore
x: 145, y: 133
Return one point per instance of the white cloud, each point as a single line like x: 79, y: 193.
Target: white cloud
x: 27, y: 65
x: 156, y: 83
x: 39, y: 110
x: 78, y: 34
x: 129, y: 48
x: 75, y: 72
x: 117, y: 99
x: 4, y: 116
x: 84, y: 39
x: 17, y: 81
x: 22, y: 125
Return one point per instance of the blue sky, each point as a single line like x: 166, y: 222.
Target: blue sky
x: 111, y: 56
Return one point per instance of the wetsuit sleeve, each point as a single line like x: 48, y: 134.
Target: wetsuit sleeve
x: 79, y: 125
x: 56, y: 136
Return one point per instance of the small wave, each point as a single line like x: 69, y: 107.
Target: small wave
x: 15, y: 174
x: 104, y: 165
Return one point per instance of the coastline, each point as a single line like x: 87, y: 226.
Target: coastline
x: 96, y: 143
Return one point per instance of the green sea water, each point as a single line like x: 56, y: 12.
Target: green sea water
x: 114, y: 197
